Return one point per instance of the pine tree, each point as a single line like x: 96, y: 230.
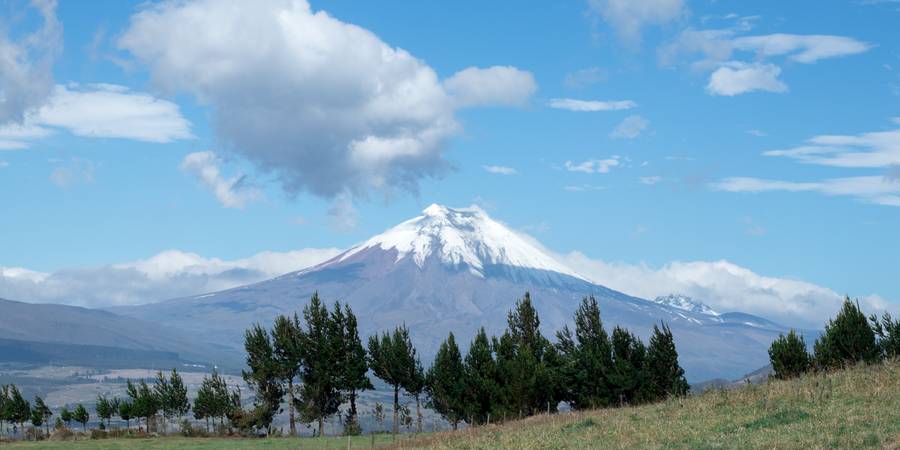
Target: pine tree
x: 36, y: 419
x: 81, y: 416
x: 262, y: 377
x: 204, y: 403
x: 286, y: 340
x: 104, y: 409
x: 65, y: 415
x: 888, y: 333
x: 353, y: 368
x: 321, y: 351
x: 628, y: 378
x: 18, y: 410
x: 144, y: 402
x: 4, y: 401
x: 591, y: 359
x: 174, y: 399
x: 788, y: 356
x: 391, y: 359
x: 126, y: 411
x: 44, y: 411
x: 445, y: 383
x: 481, y: 379
x: 665, y: 376
x: 848, y: 339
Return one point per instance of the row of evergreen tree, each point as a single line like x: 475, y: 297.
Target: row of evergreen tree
x: 848, y: 339
x: 15, y: 411
x: 319, y: 363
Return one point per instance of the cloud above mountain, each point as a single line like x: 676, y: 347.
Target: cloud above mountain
x: 324, y: 105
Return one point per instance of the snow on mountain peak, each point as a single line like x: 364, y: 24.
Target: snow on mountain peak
x: 685, y: 303
x: 462, y: 236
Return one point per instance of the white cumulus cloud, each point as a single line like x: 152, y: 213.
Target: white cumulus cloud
x: 735, y: 78
x: 498, y: 85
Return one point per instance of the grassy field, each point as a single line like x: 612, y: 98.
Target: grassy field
x: 856, y: 408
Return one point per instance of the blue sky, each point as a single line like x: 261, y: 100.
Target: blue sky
x: 704, y: 140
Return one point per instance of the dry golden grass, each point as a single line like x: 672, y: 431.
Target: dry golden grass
x: 854, y: 408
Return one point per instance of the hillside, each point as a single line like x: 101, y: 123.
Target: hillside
x: 855, y: 408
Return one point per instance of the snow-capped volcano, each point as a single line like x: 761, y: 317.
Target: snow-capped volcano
x: 685, y: 303
x: 461, y: 237
x: 457, y: 270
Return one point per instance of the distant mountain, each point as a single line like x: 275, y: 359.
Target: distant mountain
x: 458, y: 270
x: 685, y: 303
x: 48, y: 332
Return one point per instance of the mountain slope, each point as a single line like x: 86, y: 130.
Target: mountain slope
x: 457, y: 270
x: 75, y: 326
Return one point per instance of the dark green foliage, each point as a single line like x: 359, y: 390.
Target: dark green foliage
x: 628, y: 379
x: 482, y: 388
x: 353, y: 368
x: 392, y: 359
x: 888, y: 333
x: 590, y: 355
x: 213, y: 399
x: 446, y: 383
x: 41, y: 408
x: 788, y: 356
x: 105, y: 408
x: 320, y: 354
x: 665, y: 376
x: 16, y: 408
x: 286, y: 340
x: 126, y: 412
x: 36, y: 418
x: 848, y: 339
x: 81, y: 416
x: 144, y: 402
x: 172, y: 394
x: 65, y: 415
x: 263, y: 377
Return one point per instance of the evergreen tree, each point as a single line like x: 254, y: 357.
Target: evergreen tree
x: 36, y: 419
x: 172, y: 395
x: 18, y: 410
x: 788, y: 356
x: 628, y: 378
x: 4, y: 401
x: 81, y: 416
x: 513, y: 376
x: 204, y: 403
x: 104, y: 409
x: 321, y: 353
x: 44, y: 411
x: 126, y: 411
x: 445, y: 383
x: 591, y: 359
x: 888, y: 333
x: 144, y: 402
x: 481, y: 380
x: 353, y: 368
x: 391, y: 359
x: 262, y: 377
x: 848, y: 339
x: 286, y: 340
x: 65, y: 415
x: 224, y: 402
x: 665, y: 376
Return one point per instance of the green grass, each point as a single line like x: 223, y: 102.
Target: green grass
x: 855, y: 408
x: 160, y: 443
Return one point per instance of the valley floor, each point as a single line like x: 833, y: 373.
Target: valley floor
x: 854, y: 408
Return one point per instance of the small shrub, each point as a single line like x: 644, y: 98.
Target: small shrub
x: 848, y: 339
x: 788, y: 356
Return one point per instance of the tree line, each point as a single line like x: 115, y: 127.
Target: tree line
x: 319, y: 363
x: 849, y: 338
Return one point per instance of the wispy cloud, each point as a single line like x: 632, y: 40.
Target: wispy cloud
x: 651, y: 180
x: 872, y: 189
x: 231, y: 192
x: 591, y: 105
x: 594, y: 165
x: 500, y: 170
x: 866, y: 150
x: 630, y: 128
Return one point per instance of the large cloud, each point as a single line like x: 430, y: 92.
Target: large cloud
x: 169, y: 274
x: 325, y: 105
x: 26, y: 77
x: 725, y: 287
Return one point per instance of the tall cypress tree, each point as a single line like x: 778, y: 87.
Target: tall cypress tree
x: 848, y: 339
x: 481, y: 379
x: 286, y: 341
x: 445, y: 382
x: 320, y: 351
x: 262, y: 376
x: 353, y: 368
x: 392, y: 358
x: 665, y: 375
